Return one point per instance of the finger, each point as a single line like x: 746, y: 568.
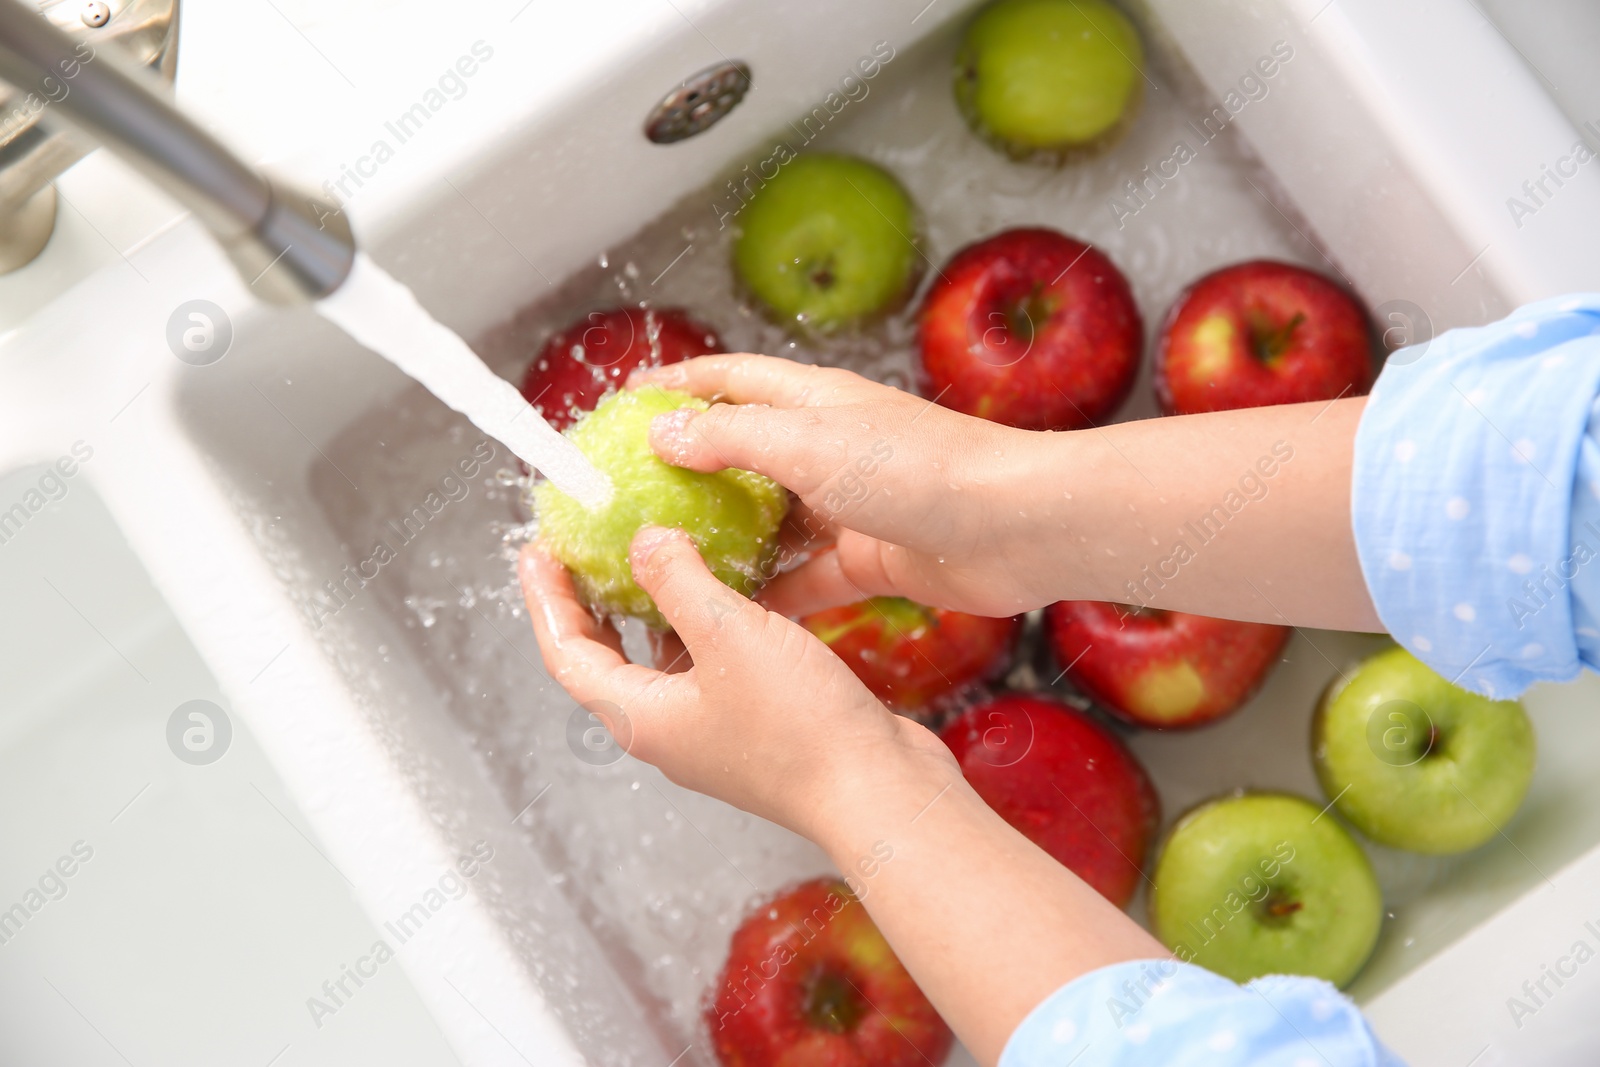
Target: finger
x: 742, y: 436
x: 669, y: 654
x: 880, y: 568
x: 798, y: 449
x: 581, y: 653
x: 751, y: 379
x: 816, y: 585
x: 861, y: 567
x: 668, y: 567
x: 805, y: 532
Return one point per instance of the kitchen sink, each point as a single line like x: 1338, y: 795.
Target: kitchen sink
x: 401, y: 706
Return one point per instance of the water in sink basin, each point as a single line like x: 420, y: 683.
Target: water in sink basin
x: 664, y: 875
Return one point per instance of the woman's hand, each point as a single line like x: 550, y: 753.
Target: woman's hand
x: 961, y: 513
x: 898, y: 496
x: 768, y: 719
x: 759, y: 712
x: 1239, y: 514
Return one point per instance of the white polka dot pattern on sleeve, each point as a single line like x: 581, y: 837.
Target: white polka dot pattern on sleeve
x: 1149, y: 1012
x: 1475, y: 498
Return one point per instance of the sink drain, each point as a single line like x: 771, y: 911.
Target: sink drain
x: 699, y: 103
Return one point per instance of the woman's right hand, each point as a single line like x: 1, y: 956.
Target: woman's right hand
x: 898, y: 496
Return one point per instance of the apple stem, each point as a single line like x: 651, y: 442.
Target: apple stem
x: 1277, y: 906
x: 832, y: 1003
x: 822, y: 276
x: 1024, y: 317
x: 1270, y: 344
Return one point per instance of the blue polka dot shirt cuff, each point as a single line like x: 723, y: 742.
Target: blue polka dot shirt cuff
x: 1474, y: 497
x: 1148, y: 1012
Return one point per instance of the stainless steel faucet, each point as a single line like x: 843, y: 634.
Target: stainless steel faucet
x: 31, y: 152
x: 289, y: 246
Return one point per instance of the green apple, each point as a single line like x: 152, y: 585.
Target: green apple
x: 732, y: 516
x: 1049, y: 78
x: 1266, y: 883
x: 827, y: 241
x: 1417, y: 763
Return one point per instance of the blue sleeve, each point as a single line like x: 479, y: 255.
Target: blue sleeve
x: 1585, y: 545
x: 1148, y: 1012
x: 1473, y: 498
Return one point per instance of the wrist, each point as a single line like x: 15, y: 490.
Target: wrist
x: 873, y: 794
x: 1041, y: 506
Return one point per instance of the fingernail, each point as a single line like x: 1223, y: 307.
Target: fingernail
x: 647, y: 542
x: 669, y: 435
x: 527, y: 558
x: 646, y: 374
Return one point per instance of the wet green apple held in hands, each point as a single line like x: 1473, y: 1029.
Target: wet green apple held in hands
x: 732, y: 515
x: 828, y: 241
x: 1264, y: 884
x: 1418, y: 763
x: 1049, y: 78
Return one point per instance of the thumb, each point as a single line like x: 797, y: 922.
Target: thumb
x: 667, y: 565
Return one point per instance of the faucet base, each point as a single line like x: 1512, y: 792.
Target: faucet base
x: 26, y: 229
x: 143, y: 31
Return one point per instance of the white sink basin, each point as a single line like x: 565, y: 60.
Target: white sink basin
x: 407, y: 718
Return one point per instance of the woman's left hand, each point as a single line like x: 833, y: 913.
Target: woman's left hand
x: 764, y: 717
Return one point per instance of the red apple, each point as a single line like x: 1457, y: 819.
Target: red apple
x: 810, y: 982
x: 578, y: 366
x: 1031, y: 328
x: 1261, y: 333
x: 908, y: 654
x: 1067, y: 783
x: 1161, y: 669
